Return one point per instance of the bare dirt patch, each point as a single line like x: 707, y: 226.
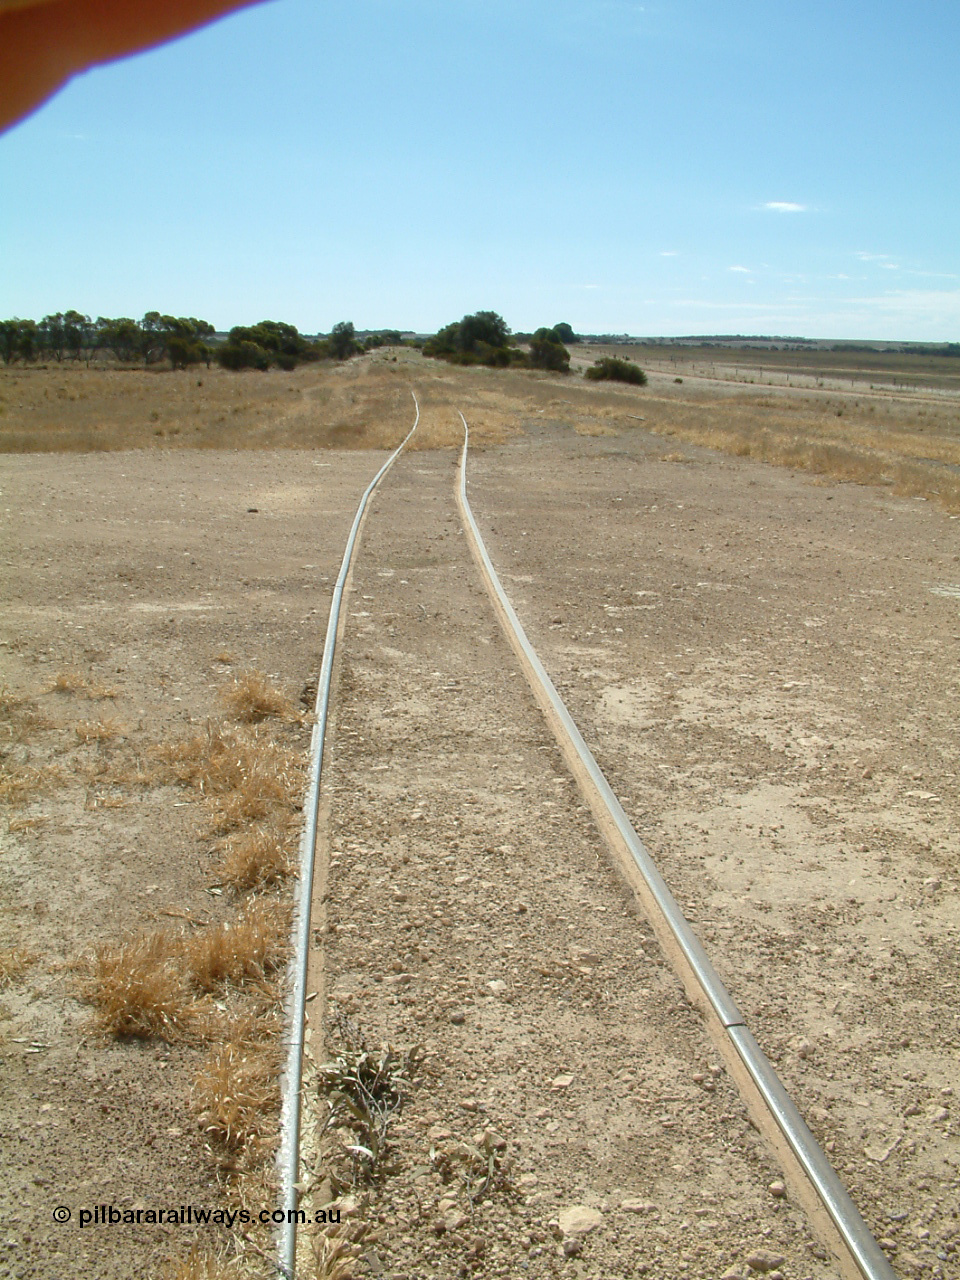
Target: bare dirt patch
x: 140, y: 590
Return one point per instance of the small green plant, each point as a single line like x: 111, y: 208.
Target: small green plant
x: 365, y: 1090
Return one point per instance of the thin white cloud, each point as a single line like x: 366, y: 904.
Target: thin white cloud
x: 785, y: 206
x: 745, y: 270
x: 669, y: 253
x: 872, y: 257
x: 921, y: 315
x: 934, y: 275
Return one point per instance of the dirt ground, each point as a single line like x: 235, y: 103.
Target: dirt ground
x: 765, y: 667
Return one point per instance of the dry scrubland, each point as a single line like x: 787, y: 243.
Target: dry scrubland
x: 149, y: 728
x: 866, y: 417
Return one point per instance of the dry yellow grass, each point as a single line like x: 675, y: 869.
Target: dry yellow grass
x: 199, y: 1264
x: 102, y: 730
x: 335, y: 1255
x: 14, y: 962
x: 252, y: 698
x: 19, y: 716
x: 256, y: 858
x: 27, y: 824
x: 138, y: 987
x: 250, y: 948
x: 236, y: 1095
x: 246, y: 777
x: 73, y: 681
x: 895, y: 435
x: 22, y: 785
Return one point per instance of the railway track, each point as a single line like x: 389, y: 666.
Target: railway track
x: 503, y: 939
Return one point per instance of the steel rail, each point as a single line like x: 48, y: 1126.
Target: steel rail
x: 289, y: 1153
x: 851, y: 1238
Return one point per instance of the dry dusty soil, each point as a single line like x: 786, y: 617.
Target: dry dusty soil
x: 766, y: 669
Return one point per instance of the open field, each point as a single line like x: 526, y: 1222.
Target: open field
x: 906, y: 437
x: 765, y: 664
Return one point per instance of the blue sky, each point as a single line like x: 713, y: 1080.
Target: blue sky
x: 687, y: 166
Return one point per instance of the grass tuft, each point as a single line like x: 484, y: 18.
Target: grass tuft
x: 69, y: 681
x: 236, y: 1095
x: 334, y: 1256
x: 257, y: 858
x: 248, y: 949
x: 19, y: 786
x: 14, y: 962
x: 138, y: 988
x: 365, y: 1090
x: 252, y: 698
x: 74, y: 681
x: 101, y: 730
x: 221, y: 760
x: 201, y: 1265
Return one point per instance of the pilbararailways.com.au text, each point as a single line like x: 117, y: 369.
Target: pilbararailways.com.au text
x: 108, y: 1215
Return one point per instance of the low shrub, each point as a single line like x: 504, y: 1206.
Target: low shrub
x: 613, y: 369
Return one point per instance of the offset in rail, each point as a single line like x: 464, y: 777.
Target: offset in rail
x: 813, y: 1178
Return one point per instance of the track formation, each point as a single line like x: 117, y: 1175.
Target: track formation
x: 572, y: 1022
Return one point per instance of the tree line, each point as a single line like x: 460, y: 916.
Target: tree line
x: 179, y: 340
x: 485, y: 338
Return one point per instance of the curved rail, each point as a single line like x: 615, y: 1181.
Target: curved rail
x: 813, y: 1178
x: 289, y: 1155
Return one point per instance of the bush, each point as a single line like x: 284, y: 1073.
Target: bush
x: 243, y: 355
x: 548, y: 352
x: 482, y: 338
x: 613, y: 369
x: 342, y: 343
x: 184, y: 352
x: 260, y: 345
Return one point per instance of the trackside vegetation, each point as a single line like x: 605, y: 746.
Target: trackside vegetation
x: 485, y: 338
x: 481, y: 338
x: 613, y: 369
x: 178, y: 341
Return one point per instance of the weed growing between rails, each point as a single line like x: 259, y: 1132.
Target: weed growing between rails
x: 365, y: 1091
x: 214, y: 985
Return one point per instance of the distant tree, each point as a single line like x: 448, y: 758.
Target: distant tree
x: 481, y: 338
x: 186, y: 343
x: 484, y: 327
x: 565, y: 333
x: 153, y: 332
x: 243, y: 354
x: 78, y: 333
x: 548, y: 352
x: 343, y: 340
x: 122, y: 336
x: 613, y: 369
x: 53, y: 340
x: 385, y: 338
x: 29, y: 340
x: 274, y: 340
x: 179, y: 339
x: 19, y: 340
x: 9, y: 331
